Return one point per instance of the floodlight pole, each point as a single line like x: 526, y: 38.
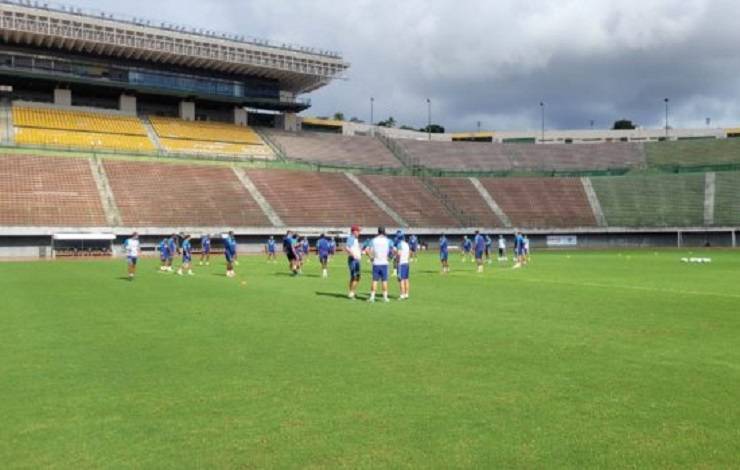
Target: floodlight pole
x: 666, y: 100
x: 542, y: 108
x: 372, y: 115
x: 429, y: 119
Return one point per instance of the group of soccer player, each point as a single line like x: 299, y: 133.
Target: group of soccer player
x: 480, y: 249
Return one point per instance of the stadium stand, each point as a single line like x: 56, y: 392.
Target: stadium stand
x: 176, y: 135
x: 410, y: 199
x: 700, y: 152
x: 79, y: 129
x: 652, y: 201
x: 48, y: 192
x: 175, y: 195
x: 479, y: 156
x: 727, y: 199
x: 461, y: 193
x: 308, y: 199
x: 542, y: 202
x: 331, y: 149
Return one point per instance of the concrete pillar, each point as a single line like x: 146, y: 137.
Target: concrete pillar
x: 127, y: 104
x: 62, y: 97
x: 680, y: 239
x: 187, y: 110
x: 241, y: 118
x: 734, y: 239
x: 290, y: 122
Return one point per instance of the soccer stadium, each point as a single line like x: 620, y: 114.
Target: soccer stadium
x: 134, y: 150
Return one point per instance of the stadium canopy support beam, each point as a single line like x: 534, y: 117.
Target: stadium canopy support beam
x: 127, y: 104
x: 241, y: 118
x: 187, y: 110
x: 734, y: 239
x: 679, y: 239
x: 62, y: 97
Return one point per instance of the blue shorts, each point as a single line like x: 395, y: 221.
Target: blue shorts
x: 323, y: 257
x: 206, y: 250
x: 132, y: 260
x: 354, y: 268
x: 380, y: 273
x: 443, y: 256
x: 478, y: 254
x: 403, y: 272
x: 229, y: 257
x: 187, y: 258
x: 163, y: 258
x: 520, y: 252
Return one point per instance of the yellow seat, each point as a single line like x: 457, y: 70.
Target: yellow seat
x: 83, y: 140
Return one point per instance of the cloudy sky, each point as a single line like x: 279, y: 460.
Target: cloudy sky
x: 493, y: 61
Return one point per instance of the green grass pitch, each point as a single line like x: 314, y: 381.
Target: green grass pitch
x: 581, y: 360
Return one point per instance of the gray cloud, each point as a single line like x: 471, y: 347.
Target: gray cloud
x: 493, y: 61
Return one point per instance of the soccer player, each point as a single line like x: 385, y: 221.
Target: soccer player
x: 489, y: 244
x: 526, y: 249
x: 366, y: 249
x: 396, y: 240
x: 332, y: 248
x: 271, y: 249
x: 414, y: 245
x: 230, y: 253
x: 479, y: 245
x: 322, y: 248
x: 205, y: 249
x: 306, y: 249
x: 172, y: 250
x: 467, y: 246
x: 354, y: 256
x: 298, y: 250
x: 133, y: 249
x: 444, y: 254
x: 519, y: 250
x: 187, y: 256
x: 289, y: 250
x: 501, y: 248
x: 403, y: 253
x: 163, y: 254
x: 379, y: 248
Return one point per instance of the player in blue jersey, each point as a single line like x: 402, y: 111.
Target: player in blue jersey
x: 133, y: 250
x: 414, y: 246
x: 205, y: 249
x: 230, y: 250
x: 489, y: 245
x: 354, y: 256
x: 466, y: 248
x: 172, y: 250
x: 322, y: 248
x: 479, y: 245
x: 392, y: 256
x: 290, y: 253
x: 305, y: 249
x: 187, y: 257
x: 271, y: 249
x: 444, y: 254
x: 163, y: 254
x: 332, y: 247
x: 519, y: 250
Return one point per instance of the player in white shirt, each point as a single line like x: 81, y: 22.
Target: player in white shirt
x: 526, y: 250
x: 133, y: 249
x: 379, y: 249
x: 403, y: 254
x: 354, y: 256
x: 501, y: 248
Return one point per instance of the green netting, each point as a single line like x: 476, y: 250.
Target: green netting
x: 727, y: 199
x: 704, y: 153
x: 652, y: 201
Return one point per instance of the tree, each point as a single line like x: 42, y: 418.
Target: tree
x: 407, y: 128
x: 339, y: 116
x: 356, y: 120
x: 390, y: 122
x: 623, y: 124
x: 433, y: 128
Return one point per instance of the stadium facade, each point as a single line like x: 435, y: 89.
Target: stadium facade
x: 111, y: 124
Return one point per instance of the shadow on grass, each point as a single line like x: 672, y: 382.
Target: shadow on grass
x: 124, y: 278
x: 339, y: 296
x: 283, y: 274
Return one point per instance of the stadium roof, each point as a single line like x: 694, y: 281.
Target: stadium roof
x: 299, y: 69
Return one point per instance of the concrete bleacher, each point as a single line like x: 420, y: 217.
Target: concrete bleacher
x: 332, y: 149
x: 410, y: 199
x: 48, y: 192
x: 464, y: 196
x: 542, y: 202
x: 59, y: 127
x: 698, y: 152
x: 481, y: 156
x: 308, y: 199
x: 178, y: 195
x: 652, y: 201
x: 727, y: 199
x: 180, y: 136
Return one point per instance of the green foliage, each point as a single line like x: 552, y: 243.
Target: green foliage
x: 623, y: 124
x: 339, y: 116
x: 433, y: 128
x: 390, y: 122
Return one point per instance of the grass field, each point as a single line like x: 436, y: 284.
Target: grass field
x: 581, y: 360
